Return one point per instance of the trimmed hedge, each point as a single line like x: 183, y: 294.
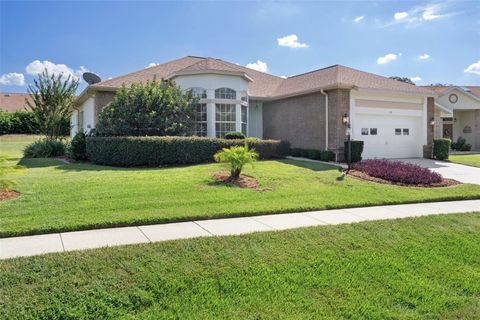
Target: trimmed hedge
x: 357, y: 150
x: 441, y: 148
x: 156, y: 151
x: 324, y: 155
x: 24, y: 122
x: 234, y: 135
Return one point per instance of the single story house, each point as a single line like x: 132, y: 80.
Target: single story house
x: 457, y: 113
x: 11, y: 102
x: 314, y: 110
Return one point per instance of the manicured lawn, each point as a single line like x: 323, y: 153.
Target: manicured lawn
x: 467, y: 159
x: 58, y: 196
x: 423, y: 268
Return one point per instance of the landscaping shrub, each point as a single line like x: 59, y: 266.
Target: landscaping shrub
x: 398, y: 172
x: 234, y: 135
x: 20, y: 122
x: 236, y: 157
x: 327, y: 155
x: 441, y: 148
x: 149, y: 109
x: 314, y: 154
x: 324, y: 155
x: 461, y: 145
x: 45, y: 148
x: 357, y: 150
x: 155, y: 151
x: 77, y: 149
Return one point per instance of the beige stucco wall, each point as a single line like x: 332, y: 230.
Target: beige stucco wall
x: 299, y: 120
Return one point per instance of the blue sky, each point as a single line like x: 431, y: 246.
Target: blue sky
x: 435, y: 41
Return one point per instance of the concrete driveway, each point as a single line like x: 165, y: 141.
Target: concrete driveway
x: 459, y: 172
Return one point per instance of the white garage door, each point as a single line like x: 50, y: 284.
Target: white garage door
x: 387, y: 136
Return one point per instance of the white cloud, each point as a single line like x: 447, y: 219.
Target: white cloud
x: 400, y: 15
x: 259, y: 66
x: 425, y: 13
x: 358, y: 19
x: 151, y: 64
x: 473, y: 68
x: 12, y: 79
x: 388, y: 58
x: 416, y: 79
x: 291, y: 41
x: 424, y: 56
x: 36, y: 67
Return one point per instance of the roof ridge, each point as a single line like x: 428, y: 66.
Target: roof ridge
x: 147, y: 68
x: 313, y: 71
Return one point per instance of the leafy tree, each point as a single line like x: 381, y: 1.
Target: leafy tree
x: 236, y: 157
x: 150, y: 109
x: 52, y: 102
x: 403, y: 79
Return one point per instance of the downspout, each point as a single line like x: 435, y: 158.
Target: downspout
x: 326, y: 117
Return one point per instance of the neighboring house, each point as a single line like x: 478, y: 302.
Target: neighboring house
x: 11, y: 102
x: 457, y: 113
x: 310, y: 110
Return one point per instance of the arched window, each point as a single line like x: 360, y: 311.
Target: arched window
x: 199, y: 92
x: 225, y: 93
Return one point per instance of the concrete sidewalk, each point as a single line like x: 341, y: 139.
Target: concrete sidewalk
x: 81, y: 240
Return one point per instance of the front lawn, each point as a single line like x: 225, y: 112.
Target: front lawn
x: 58, y: 196
x: 419, y: 268
x: 467, y: 159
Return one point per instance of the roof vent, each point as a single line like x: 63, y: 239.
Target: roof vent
x: 7, y: 94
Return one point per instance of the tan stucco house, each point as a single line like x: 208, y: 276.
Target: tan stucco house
x: 310, y: 110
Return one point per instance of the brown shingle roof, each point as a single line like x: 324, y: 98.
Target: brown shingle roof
x: 475, y: 90
x: 12, y: 102
x: 265, y: 85
x: 341, y: 76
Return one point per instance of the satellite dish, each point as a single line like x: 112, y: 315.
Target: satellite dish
x: 91, y: 78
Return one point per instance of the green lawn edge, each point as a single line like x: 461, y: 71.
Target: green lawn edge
x: 415, y: 268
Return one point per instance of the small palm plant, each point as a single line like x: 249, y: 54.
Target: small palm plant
x: 236, y: 157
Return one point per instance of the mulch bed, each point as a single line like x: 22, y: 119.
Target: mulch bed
x: 241, y: 182
x: 364, y: 176
x: 8, y: 194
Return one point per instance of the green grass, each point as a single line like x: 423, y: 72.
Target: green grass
x: 467, y: 159
x: 59, y: 197
x: 422, y: 268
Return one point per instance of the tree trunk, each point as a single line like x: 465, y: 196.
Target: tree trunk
x: 235, y: 173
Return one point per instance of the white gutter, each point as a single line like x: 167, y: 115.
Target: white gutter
x: 326, y: 117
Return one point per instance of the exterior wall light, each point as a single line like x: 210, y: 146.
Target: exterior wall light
x: 432, y: 122
x: 345, y: 119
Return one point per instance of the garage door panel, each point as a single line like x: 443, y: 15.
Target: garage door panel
x: 396, y: 136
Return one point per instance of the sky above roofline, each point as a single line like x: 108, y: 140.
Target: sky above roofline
x: 429, y: 42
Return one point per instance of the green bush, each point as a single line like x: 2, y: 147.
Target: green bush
x: 324, y: 155
x: 234, y: 135
x: 156, y: 151
x: 45, y: 149
x: 77, y: 149
x: 461, y: 145
x: 236, y: 157
x: 148, y: 109
x: 327, y: 155
x: 357, y: 150
x: 441, y: 148
x: 22, y: 122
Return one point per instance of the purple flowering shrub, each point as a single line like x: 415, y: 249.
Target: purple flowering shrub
x: 398, y: 172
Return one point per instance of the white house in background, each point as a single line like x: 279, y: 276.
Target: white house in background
x: 310, y: 110
x: 457, y: 113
